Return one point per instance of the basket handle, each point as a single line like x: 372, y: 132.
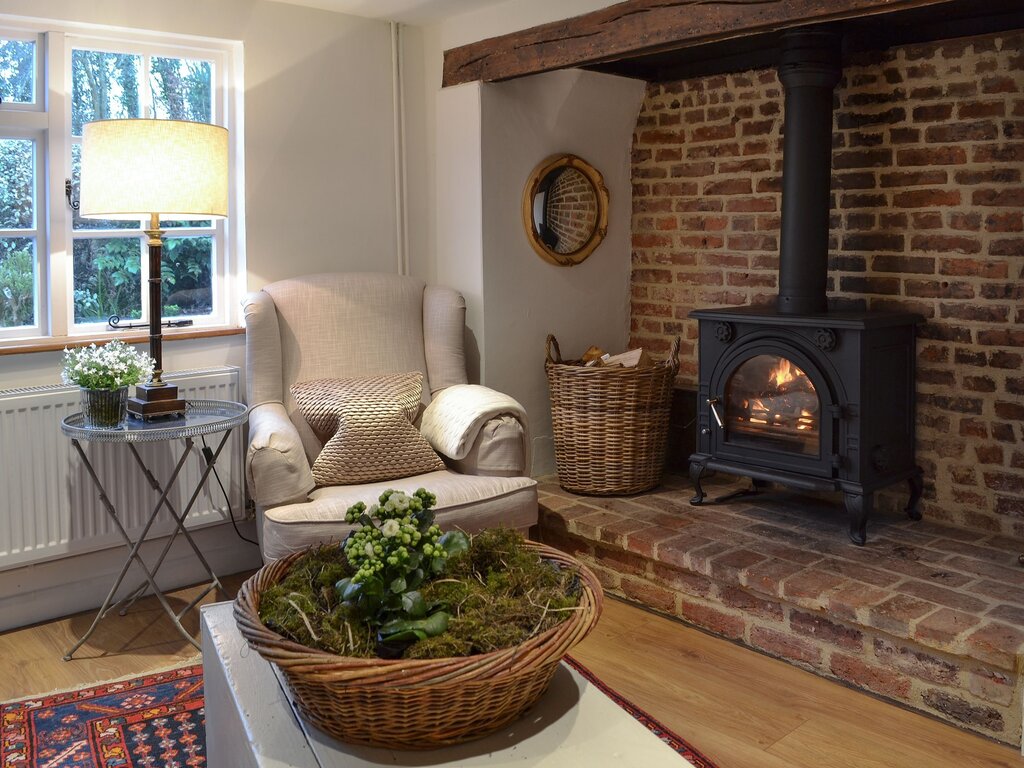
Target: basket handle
x: 552, y: 342
x: 673, y: 354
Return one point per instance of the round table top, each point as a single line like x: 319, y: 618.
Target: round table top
x: 202, y: 417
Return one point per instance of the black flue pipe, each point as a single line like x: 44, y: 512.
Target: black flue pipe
x: 809, y: 70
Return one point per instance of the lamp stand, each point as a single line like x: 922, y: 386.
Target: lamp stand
x: 156, y: 398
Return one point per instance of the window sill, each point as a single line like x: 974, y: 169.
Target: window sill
x: 56, y: 344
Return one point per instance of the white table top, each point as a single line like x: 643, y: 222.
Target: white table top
x: 573, y: 724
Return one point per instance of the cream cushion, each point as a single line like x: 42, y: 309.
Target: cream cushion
x: 469, y: 502
x: 365, y: 425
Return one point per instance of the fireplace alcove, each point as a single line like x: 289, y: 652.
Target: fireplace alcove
x: 928, y: 613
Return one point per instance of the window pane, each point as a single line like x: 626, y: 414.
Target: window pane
x: 182, y: 89
x: 187, y: 276
x: 17, y: 183
x: 104, y: 86
x: 107, y: 278
x: 18, y: 71
x: 85, y: 224
x: 179, y: 223
x: 17, y: 281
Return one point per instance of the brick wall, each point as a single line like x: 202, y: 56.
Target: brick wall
x: 926, y: 216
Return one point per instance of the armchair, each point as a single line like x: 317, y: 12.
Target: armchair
x: 343, y: 325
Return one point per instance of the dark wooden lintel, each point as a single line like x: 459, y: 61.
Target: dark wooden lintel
x: 641, y: 27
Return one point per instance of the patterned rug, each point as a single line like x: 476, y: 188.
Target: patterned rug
x: 157, y: 721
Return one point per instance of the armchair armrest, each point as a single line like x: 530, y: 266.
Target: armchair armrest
x: 478, y: 430
x: 276, y: 467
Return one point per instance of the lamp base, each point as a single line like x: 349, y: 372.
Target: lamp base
x: 154, y: 402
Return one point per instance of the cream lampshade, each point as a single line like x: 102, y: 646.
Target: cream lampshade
x: 134, y: 168
x: 168, y: 169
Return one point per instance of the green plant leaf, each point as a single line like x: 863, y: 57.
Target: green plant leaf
x: 454, y: 542
x: 398, y: 585
x: 433, y: 625
x: 414, y: 605
x: 415, y: 578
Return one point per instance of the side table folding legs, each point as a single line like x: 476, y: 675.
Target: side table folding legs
x: 202, y: 417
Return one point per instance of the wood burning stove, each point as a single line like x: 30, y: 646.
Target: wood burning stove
x: 796, y: 394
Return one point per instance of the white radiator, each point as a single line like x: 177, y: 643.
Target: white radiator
x: 49, y: 506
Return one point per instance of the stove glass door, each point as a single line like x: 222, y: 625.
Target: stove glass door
x: 771, y: 403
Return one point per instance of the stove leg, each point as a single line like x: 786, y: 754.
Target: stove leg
x: 858, y: 505
x: 696, y: 472
x: 916, y: 482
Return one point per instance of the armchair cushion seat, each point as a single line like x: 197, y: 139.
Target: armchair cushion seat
x: 469, y: 502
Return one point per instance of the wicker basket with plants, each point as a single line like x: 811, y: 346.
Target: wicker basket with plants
x: 405, y: 637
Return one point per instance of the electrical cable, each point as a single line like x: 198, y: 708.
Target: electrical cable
x: 208, y: 455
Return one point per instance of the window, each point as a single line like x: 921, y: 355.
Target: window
x: 62, y: 275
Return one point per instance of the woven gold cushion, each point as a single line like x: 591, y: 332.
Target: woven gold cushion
x: 366, y: 428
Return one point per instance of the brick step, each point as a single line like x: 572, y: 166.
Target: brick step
x: 926, y: 615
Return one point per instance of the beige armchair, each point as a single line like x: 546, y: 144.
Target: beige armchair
x: 344, y: 325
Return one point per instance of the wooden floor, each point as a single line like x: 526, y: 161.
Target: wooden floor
x: 742, y: 709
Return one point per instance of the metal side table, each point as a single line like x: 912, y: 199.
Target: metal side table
x: 202, y: 417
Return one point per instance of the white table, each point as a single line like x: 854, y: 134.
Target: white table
x: 250, y: 723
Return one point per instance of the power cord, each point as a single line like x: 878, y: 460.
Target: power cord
x: 208, y: 455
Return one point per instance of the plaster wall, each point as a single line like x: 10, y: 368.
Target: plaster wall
x: 423, y: 50
x: 525, y: 298
x: 319, y: 196
x: 319, y: 149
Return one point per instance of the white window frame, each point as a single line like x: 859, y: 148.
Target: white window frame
x: 49, y: 119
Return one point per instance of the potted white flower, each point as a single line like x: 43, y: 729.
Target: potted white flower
x: 104, y: 375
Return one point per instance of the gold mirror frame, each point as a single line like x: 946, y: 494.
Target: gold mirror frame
x: 600, y: 229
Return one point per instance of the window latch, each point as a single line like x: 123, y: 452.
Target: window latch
x: 74, y: 204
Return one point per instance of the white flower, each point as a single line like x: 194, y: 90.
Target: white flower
x: 368, y: 549
x: 390, y: 528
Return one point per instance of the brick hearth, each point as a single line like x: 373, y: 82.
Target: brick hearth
x: 926, y: 614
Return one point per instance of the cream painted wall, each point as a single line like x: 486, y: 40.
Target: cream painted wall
x: 320, y: 196
x: 525, y: 298
x: 520, y: 122
x: 423, y: 56
x: 319, y: 148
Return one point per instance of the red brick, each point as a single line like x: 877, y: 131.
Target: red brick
x: 916, y: 663
x: 650, y: 595
x: 734, y: 597
x: 821, y: 628
x: 958, y: 708
x: 877, y: 679
x: 1009, y: 198
x: 924, y: 198
x: 713, y: 619
x: 945, y: 626
x: 932, y: 156
x: 682, y: 580
x: 785, y: 645
x: 898, y: 613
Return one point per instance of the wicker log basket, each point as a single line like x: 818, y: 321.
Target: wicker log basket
x: 610, y: 425
x: 417, y: 703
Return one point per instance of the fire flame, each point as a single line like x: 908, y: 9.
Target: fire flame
x: 784, y: 373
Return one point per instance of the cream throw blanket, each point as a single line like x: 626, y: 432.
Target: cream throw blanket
x: 456, y: 415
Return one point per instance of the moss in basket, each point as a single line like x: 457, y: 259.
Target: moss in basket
x: 400, y: 586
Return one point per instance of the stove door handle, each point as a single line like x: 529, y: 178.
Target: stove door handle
x: 713, y: 401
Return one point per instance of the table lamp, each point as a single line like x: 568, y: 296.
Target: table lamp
x: 170, y: 169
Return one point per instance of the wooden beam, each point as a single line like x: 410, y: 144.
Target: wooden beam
x: 639, y: 27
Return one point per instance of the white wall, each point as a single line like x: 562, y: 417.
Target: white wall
x: 525, y: 297
x: 423, y: 55
x: 319, y: 149
x: 521, y: 122
x: 319, y: 196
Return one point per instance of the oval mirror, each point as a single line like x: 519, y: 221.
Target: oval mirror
x: 565, y: 210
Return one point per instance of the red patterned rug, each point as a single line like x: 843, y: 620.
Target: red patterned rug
x: 157, y: 721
